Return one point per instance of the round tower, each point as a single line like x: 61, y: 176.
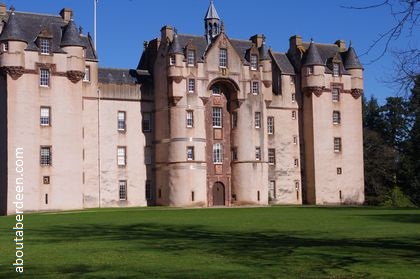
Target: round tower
x: 355, y: 68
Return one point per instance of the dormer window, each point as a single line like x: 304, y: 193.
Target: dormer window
x: 336, y: 69
x: 223, y: 56
x: 191, y: 57
x: 45, y: 46
x: 254, y: 62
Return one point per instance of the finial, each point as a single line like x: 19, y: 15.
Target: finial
x: 312, y: 40
x: 145, y: 44
x: 80, y: 30
x: 350, y: 44
x: 175, y: 31
x: 13, y: 9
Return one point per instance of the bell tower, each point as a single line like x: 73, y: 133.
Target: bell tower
x: 212, y: 23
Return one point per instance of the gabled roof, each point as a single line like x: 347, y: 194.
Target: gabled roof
x: 12, y: 30
x: 117, y: 76
x: 71, y: 36
x: 212, y: 12
x: 31, y: 25
x: 283, y: 63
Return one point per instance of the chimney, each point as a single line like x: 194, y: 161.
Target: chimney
x: 66, y: 14
x: 295, y: 41
x: 2, y: 9
x: 257, y: 40
x: 341, y: 45
x: 167, y: 32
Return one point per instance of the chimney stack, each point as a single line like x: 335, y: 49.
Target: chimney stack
x: 341, y: 45
x: 257, y: 40
x: 167, y: 32
x: 2, y: 9
x: 66, y: 14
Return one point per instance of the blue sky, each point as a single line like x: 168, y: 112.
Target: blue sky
x: 124, y: 25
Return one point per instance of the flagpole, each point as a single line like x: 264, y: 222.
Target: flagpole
x: 95, y: 2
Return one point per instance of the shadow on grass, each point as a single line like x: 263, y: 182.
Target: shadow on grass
x: 265, y: 251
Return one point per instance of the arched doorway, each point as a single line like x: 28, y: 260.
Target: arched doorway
x: 218, y: 194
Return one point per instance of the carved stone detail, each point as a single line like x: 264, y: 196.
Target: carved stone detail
x: 75, y: 76
x: 356, y: 93
x: 15, y: 72
x: 177, y: 79
x: 267, y: 103
x: 267, y: 83
x: 174, y: 100
x: 317, y: 90
x: 204, y: 100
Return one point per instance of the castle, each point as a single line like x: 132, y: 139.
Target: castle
x: 204, y: 120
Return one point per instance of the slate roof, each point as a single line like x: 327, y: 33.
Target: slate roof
x: 175, y: 46
x: 32, y: 24
x: 212, y: 12
x: 12, y: 30
x: 312, y: 56
x: 117, y: 76
x: 283, y: 63
x: 71, y: 36
x: 351, y: 61
x: 325, y: 51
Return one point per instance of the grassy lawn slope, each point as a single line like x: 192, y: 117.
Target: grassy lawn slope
x: 272, y: 242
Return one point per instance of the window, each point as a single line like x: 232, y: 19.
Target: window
x: 258, y: 120
x: 121, y: 159
x: 293, y: 97
x: 272, y: 190
x: 190, y: 119
x: 192, y: 196
x: 45, y: 46
x: 121, y: 121
x: 216, y: 90
x: 292, y: 80
x: 339, y: 170
x: 235, y: 154
x: 190, y: 153
x: 336, y: 117
x: 46, y: 180
x: 148, y: 190
x: 123, y: 190
x: 335, y: 95
x: 45, y: 116
x: 254, y: 62
x: 217, y: 117
x: 270, y: 125
x: 255, y: 87
x: 172, y: 60
x: 310, y: 70
x: 147, y: 155
x: 336, y: 69
x: 294, y: 115
x: 44, y: 77
x: 234, y: 119
x: 296, y: 163
x: 87, y: 74
x: 297, y: 185
x: 272, y: 156
x: 147, y: 122
x: 45, y: 158
x: 46, y: 198
x: 217, y: 153
x: 191, y: 57
x: 295, y: 139
x: 337, y: 144
x: 5, y: 47
x: 191, y: 85
x: 257, y: 153
x: 223, y: 58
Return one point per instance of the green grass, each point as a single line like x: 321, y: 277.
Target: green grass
x: 273, y: 242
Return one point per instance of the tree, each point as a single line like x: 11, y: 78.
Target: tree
x: 406, y: 14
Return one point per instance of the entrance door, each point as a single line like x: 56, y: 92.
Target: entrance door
x: 218, y: 194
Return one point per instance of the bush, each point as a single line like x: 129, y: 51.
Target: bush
x: 396, y: 198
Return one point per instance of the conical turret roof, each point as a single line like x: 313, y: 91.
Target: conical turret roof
x: 264, y: 53
x: 175, y: 46
x: 71, y: 36
x: 212, y: 12
x: 351, y: 61
x: 312, y: 56
x: 12, y: 31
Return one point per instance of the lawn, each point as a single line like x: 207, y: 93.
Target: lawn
x: 272, y: 242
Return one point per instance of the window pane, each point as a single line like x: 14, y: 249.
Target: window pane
x: 270, y: 125
x: 258, y: 120
x: 191, y: 57
x: 190, y: 119
x: 191, y: 85
x: 123, y: 190
x: 121, y: 120
x: 44, y: 77
x: 217, y: 117
x: 121, y: 156
x: 257, y: 153
x: 254, y: 62
x: 271, y: 156
x: 335, y: 95
x: 45, y: 156
x: 217, y: 153
x: 223, y: 58
x: 337, y: 144
x: 255, y: 87
x: 146, y: 122
x: 45, y: 116
x: 44, y: 45
x: 87, y: 74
